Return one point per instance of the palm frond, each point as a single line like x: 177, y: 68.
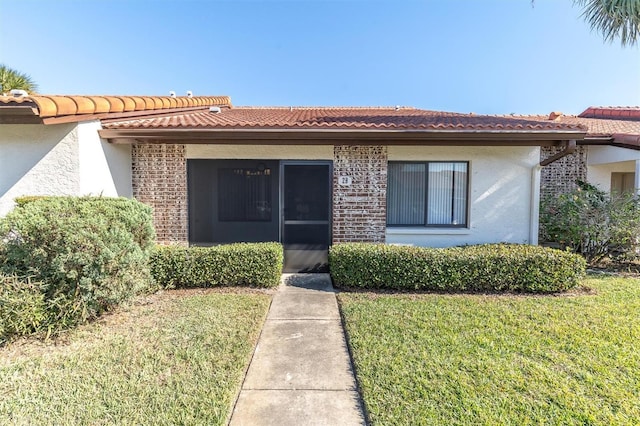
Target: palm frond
x: 615, y: 19
x: 11, y: 79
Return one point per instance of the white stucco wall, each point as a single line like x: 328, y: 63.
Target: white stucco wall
x: 610, y: 154
x: 500, y: 205
x: 37, y: 160
x: 604, y: 160
x: 104, y: 168
x: 266, y: 152
x: 500, y: 195
x: 60, y: 159
x: 600, y: 175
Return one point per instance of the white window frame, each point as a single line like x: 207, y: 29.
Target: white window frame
x: 425, y: 225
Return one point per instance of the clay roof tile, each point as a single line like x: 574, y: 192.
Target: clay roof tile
x: 340, y: 118
x: 622, y: 113
x: 115, y: 104
x: 102, y: 104
x: 140, y: 103
x: 157, y: 103
x: 64, y: 105
x: 74, y: 108
x: 149, y: 102
x: 46, y: 106
x: 129, y: 103
x: 84, y: 105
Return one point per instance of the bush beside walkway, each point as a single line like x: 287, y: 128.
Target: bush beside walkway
x: 242, y: 264
x: 87, y: 255
x: 66, y: 260
x: 488, y: 267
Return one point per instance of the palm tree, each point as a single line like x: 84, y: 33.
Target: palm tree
x: 11, y: 79
x: 613, y: 18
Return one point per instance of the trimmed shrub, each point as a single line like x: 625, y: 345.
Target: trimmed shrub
x: 241, y: 264
x: 90, y: 253
x: 25, y: 199
x: 22, y: 307
x: 489, y: 267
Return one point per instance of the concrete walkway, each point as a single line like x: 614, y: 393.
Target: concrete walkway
x: 301, y: 372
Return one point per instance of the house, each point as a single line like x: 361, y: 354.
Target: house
x: 307, y: 177
x: 608, y: 156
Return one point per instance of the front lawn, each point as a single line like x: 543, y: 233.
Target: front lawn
x: 499, y: 359
x: 173, y: 358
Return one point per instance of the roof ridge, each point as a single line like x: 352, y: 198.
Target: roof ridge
x: 317, y: 107
x: 53, y: 106
x: 634, y: 107
x: 516, y: 115
x: 612, y: 113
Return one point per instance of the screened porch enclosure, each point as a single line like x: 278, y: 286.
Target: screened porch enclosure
x: 259, y: 201
x: 233, y: 201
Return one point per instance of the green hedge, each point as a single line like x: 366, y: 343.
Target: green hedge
x: 22, y: 307
x: 90, y: 253
x: 26, y: 199
x: 251, y: 264
x: 489, y: 267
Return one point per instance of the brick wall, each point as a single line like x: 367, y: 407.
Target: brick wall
x: 560, y: 177
x: 359, y: 209
x: 159, y: 179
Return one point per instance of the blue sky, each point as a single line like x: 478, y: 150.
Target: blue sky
x: 489, y: 56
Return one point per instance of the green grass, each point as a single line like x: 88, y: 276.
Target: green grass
x: 490, y: 359
x: 177, y: 358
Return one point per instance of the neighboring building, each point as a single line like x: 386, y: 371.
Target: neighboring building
x: 608, y: 156
x: 307, y: 177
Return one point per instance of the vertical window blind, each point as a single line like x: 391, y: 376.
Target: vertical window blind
x: 427, y: 194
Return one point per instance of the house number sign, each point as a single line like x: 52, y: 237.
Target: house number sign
x: 345, y: 180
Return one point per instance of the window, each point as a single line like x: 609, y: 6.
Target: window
x: 427, y: 194
x: 244, y: 195
x: 623, y: 182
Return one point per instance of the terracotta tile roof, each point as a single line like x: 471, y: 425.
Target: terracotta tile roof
x: 619, y: 113
x: 63, y: 106
x: 341, y: 118
x: 623, y: 130
x: 602, y: 127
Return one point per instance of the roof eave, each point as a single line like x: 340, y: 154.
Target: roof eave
x: 107, y: 116
x: 19, y: 114
x: 333, y: 136
x: 628, y: 141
